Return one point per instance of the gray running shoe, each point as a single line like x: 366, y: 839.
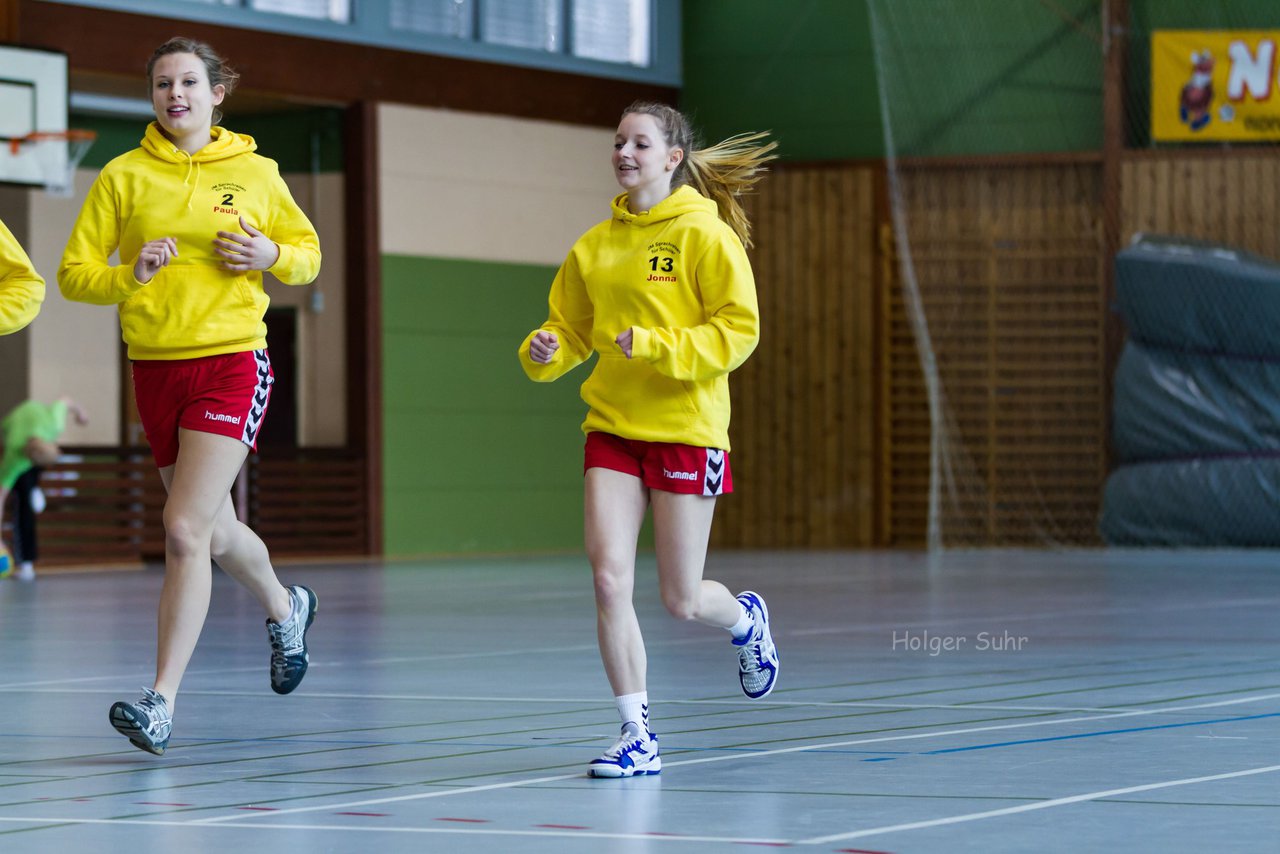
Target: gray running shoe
x: 289, y: 641
x: 146, y: 723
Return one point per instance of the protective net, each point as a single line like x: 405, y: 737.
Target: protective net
x: 1000, y: 341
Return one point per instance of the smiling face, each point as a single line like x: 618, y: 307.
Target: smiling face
x: 643, y: 162
x: 183, y: 99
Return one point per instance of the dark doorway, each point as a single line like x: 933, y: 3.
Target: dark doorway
x: 281, y: 426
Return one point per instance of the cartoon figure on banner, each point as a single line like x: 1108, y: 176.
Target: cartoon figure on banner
x: 1197, y: 95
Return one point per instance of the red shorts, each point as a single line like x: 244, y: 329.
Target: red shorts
x: 662, y: 465
x: 226, y: 395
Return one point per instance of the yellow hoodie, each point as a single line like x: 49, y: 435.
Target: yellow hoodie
x: 21, y: 287
x: 192, y: 307
x: 679, y: 277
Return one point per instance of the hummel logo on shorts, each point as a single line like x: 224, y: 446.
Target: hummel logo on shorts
x: 218, y: 416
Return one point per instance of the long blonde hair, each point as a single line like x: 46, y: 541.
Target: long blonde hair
x: 721, y: 172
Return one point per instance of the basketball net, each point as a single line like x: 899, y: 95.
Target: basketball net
x: 57, y: 154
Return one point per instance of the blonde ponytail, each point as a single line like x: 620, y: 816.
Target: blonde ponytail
x: 722, y: 172
x: 726, y: 170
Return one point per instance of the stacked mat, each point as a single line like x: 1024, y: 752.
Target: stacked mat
x: 1196, y: 413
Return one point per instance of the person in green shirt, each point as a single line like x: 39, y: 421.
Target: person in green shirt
x: 31, y: 432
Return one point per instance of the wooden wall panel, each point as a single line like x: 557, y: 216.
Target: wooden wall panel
x: 106, y: 505
x: 1231, y: 198
x: 1007, y: 266
x: 804, y: 424
x: 832, y: 424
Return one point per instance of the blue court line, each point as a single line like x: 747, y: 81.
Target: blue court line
x: 1102, y: 732
x: 8, y: 767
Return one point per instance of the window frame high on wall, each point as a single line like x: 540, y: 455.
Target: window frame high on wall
x: 371, y: 24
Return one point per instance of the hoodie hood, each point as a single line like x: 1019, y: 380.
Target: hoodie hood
x: 222, y: 144
x: 684, y: 199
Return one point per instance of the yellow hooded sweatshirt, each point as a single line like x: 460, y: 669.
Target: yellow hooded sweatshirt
x: 192, y: 307
x: 679, y: 277
x: 21, y: 287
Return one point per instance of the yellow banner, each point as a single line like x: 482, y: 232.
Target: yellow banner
x: 1210, y: 86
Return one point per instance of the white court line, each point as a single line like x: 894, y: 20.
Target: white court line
x: 557, y: 834
x: 756, y: 754
x: 593, y: 702
x: 1034, y: 616
x: 1041, y: 805
x: 128, y: 677
x: 327, y: 665
x: 590, y: 702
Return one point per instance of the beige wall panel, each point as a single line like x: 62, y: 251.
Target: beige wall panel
x: 75, y: 348
x: 321, y: 334
x: 457, y: 185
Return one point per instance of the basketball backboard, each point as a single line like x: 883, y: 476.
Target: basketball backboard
x: 33, y: 99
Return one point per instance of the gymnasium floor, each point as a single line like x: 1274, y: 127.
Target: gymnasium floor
x: 1077, y: 701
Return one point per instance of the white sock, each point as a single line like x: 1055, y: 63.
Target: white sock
x: 634, y: 708
x: 742, y: 628
x: 293, y: 608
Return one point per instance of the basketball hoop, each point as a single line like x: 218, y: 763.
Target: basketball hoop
x: 57, y: 154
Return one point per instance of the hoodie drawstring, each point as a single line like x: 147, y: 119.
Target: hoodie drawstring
x: 191, y: 161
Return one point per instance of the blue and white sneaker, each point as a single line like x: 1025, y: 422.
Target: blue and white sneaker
x: 757, y: 656
x: 146, y: 723
x: 633, y: 755
x: 289, y: 658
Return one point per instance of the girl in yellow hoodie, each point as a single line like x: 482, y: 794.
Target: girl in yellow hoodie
x: 21, y: 287
x: 196, y: 216
x: 663, y: 291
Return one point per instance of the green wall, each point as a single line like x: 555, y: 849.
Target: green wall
x: 961, y: 76
x: 803, y: 69
x: 969, y: 77
x: 477, y: 458
x: 296, y: 140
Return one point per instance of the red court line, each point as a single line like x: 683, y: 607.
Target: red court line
x: 466, y: 820
x: 563, y: 826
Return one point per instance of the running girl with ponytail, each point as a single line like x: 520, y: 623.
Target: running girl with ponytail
x: 196, y: 216
x: 663, y: 291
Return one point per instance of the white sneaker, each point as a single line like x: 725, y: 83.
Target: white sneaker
x: 26, y: 571
x: 757, y: 655
x: 634, y: 754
